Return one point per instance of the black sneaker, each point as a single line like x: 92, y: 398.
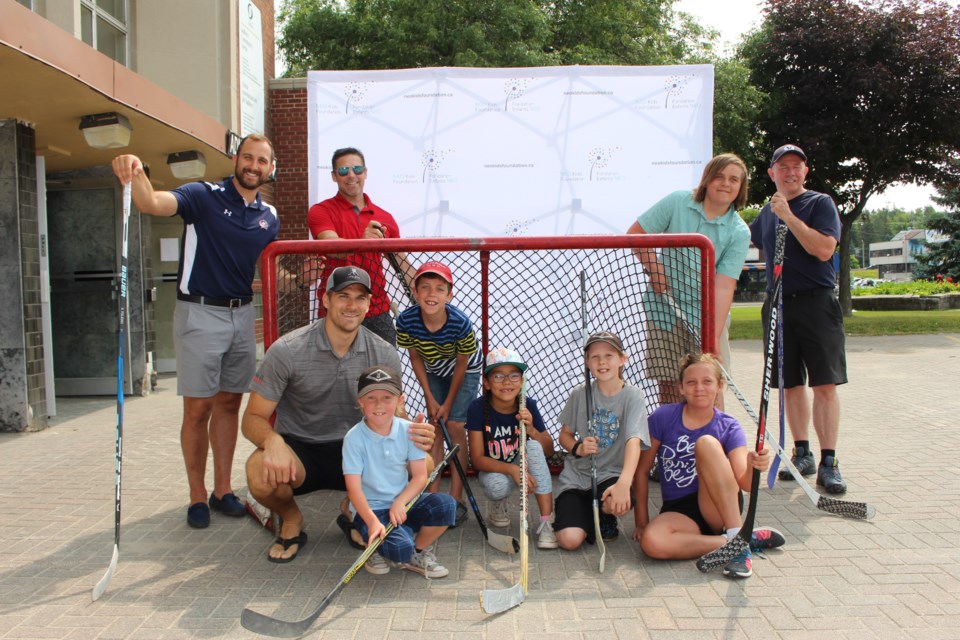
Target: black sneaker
x: 461, y: 515
x: 609, y: 529
x: 805, y: 464
x: 828, y: 476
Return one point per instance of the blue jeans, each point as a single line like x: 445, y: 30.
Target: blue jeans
x: 431, y: 510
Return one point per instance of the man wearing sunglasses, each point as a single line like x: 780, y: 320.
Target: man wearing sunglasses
x: 351, y: 214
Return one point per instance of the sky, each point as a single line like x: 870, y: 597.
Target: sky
x: 733, y: 18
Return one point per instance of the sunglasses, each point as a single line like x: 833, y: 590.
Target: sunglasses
x: 358, y: 169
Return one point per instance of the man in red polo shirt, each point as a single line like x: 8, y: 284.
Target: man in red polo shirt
x: 351, y: 214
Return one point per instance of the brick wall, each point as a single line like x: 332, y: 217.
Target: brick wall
x: 288, y: 127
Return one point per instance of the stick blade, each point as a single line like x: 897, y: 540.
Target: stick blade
x: 101, y: 586
x: 500, y: 600
x: 720, y: 557
x: 266, y: 626
x: 500, y: 542
x: 846, y: 509
x: 601, y: 546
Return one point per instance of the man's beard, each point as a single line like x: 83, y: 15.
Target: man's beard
x: 246, y: 180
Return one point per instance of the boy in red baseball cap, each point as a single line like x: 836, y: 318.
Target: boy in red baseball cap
x: 446, y: 359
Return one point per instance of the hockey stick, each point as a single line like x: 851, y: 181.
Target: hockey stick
x: 496, y: 540
x: 500, y: 600
x: 101, y: 586
x: 741, y: 542
x: 843, y: 508
x: 775, y: 466
x: 267, y: 626
x: 590, y: 430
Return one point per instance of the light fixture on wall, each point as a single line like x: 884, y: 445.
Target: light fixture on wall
x: 106, y: 130
x: 187, y: 165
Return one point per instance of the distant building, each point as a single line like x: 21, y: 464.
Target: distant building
x: 896, y: 259
x: 176, y: 82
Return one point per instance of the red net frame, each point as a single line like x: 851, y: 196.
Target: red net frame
x: 522, y: 293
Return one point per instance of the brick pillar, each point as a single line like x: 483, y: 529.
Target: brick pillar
x: 288, y: 129
x: 23, y: 400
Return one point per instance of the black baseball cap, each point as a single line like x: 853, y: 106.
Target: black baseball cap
x: 784, y: 150
x: 380, y: 378
x: 343, y: 277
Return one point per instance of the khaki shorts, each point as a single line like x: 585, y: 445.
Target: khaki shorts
x: 215, y: 347
x: 665, y: 349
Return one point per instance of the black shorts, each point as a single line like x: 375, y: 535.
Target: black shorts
x: 323, y: 463
x: 689, y: 505
x: 574, y: 508
x: 813, y: 339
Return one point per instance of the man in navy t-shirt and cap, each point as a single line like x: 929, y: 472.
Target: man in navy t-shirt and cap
x: 813, y: 338
x: 226, y: 227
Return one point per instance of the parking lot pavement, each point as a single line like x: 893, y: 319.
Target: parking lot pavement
x: 897, y: 576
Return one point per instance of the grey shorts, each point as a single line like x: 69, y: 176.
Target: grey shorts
x: 215, y: 347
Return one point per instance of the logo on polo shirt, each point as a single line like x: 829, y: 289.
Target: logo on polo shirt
x: 227, y: 212
x: 263, y: 224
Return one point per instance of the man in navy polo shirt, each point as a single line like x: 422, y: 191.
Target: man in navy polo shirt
x: 226, y: 226
x: 813, y: 338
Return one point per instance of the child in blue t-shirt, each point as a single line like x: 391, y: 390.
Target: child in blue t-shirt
x: 704, y: 464
x: 446, y: 360
x: 383, y: 471
x: 493, y: 423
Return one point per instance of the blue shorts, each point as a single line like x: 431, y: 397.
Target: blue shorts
x: 469, y: 391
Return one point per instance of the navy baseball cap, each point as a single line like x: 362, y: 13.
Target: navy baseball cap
x: 343, y: 277
x: 784, y: 150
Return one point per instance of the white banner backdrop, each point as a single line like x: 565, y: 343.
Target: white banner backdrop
x: 531, y: 151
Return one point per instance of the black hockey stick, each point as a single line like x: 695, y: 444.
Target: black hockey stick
x: 265, y: 625
x: 843, y: 508
x: 774, y: 467
x: 101, y: 586
x: 741, y: 542
x: 496, y: 540
x: 590, y: 430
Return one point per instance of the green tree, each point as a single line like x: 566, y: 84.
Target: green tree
x: 869, y: 89
x: 943, y: 258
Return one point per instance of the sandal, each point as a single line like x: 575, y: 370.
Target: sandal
x: 300, y: 540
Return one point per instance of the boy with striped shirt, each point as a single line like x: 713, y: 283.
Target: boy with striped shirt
x: 446, y: 359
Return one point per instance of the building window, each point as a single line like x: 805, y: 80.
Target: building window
x: 103, y: 25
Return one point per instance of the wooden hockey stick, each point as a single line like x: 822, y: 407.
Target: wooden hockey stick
x: 267, y: 626
x: 500, y: 600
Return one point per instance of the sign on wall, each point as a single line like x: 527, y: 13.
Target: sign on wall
x: 529, y: 151
x: 251, y: 68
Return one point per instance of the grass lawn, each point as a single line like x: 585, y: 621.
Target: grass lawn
x: 745, y: 323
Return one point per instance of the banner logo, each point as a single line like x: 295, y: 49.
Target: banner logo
x: 354, y: 92
x: 674, y: 86
x: 599, y: 157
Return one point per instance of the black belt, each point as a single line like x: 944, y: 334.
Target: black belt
x: 231, y: 303
x: 808, y: 292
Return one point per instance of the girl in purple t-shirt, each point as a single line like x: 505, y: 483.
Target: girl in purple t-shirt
x: 704, y: 463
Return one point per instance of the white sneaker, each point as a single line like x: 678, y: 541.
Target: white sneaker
x: 377, y: 565
x: 425, y: 563
x: 498, y: 514
x: 546, y: 538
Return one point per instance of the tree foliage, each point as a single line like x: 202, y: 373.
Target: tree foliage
x: 869, y: 89
x: 399, y: 34
x: 943, y: 258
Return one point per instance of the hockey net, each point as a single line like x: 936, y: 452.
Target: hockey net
x: 525, y: 294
